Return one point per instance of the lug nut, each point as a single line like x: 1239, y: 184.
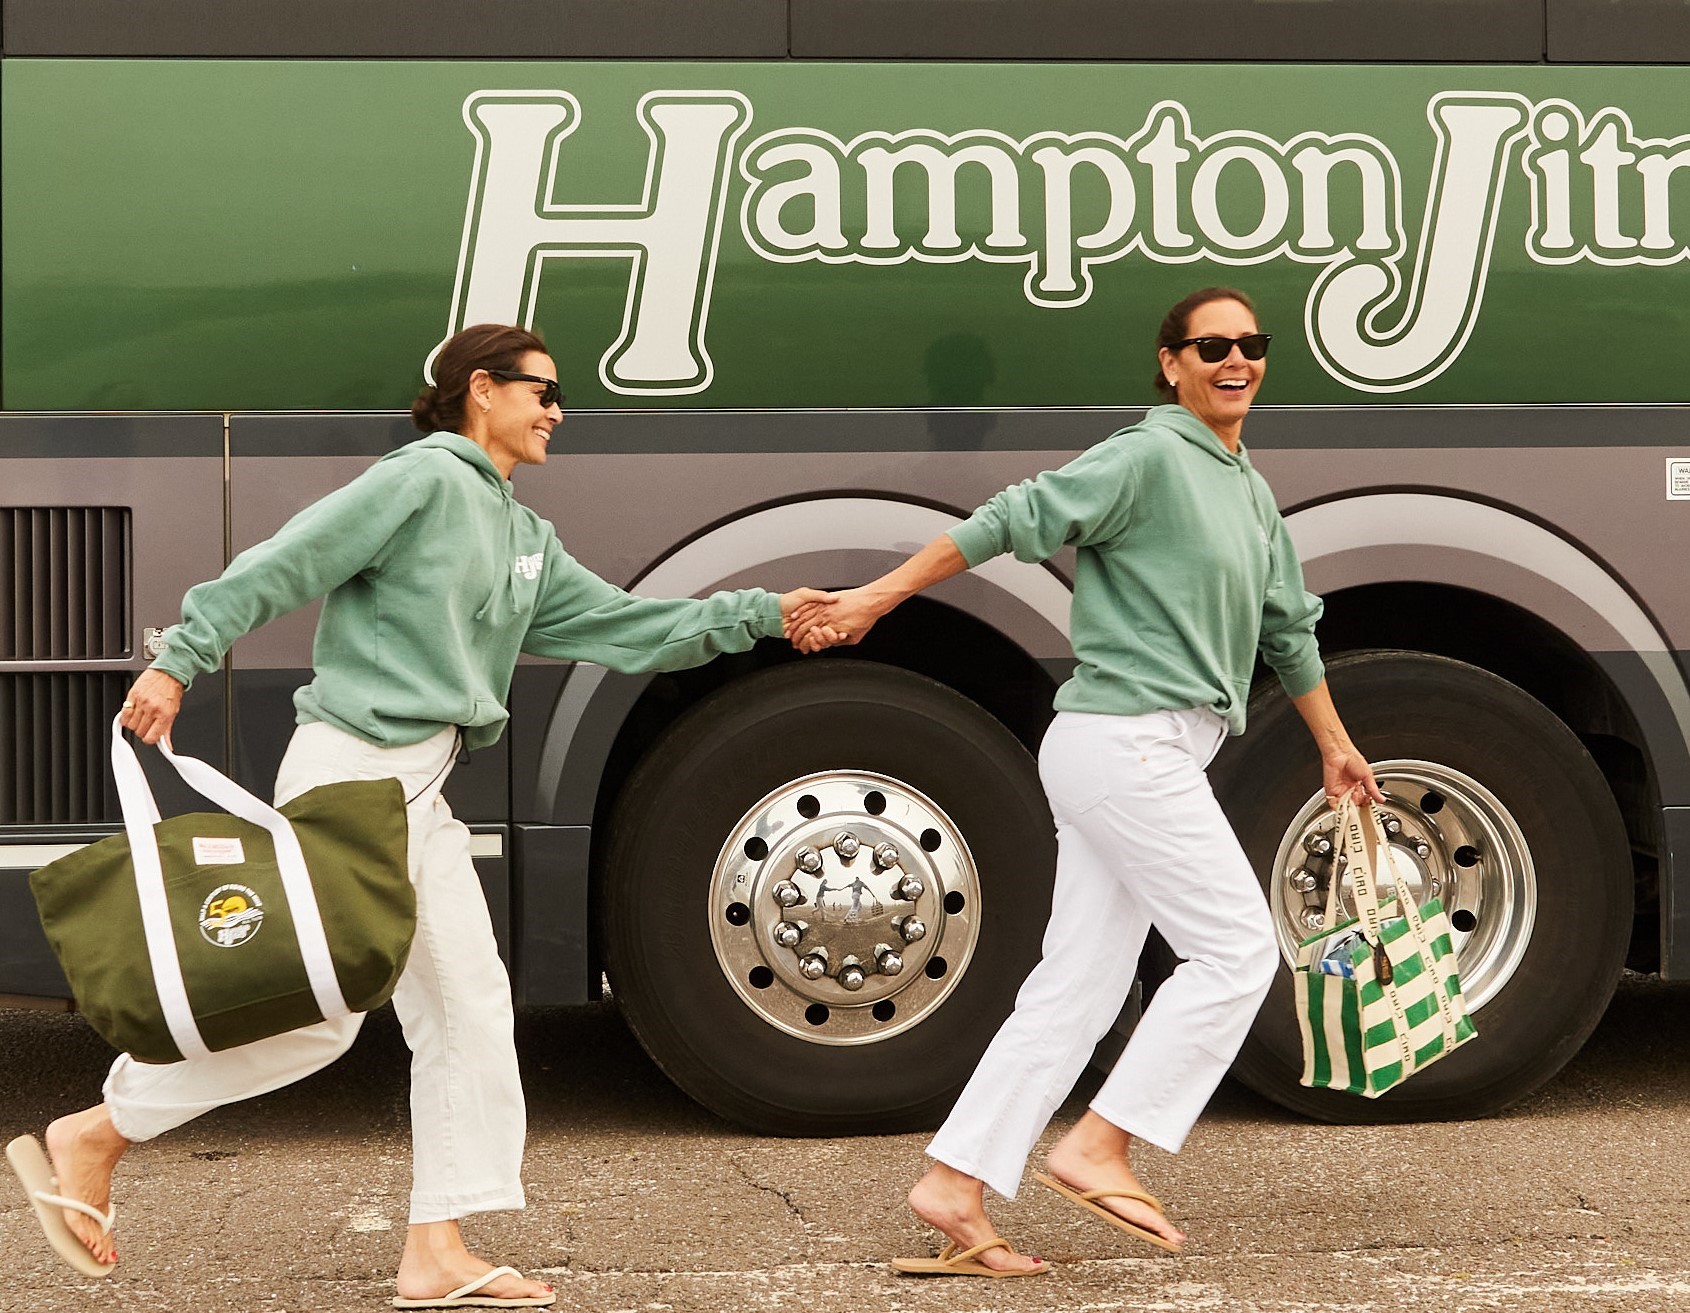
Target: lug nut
x: 1303, y: 880
x: 1314, y: 918
x: 1391, y: 823
x: 910, y: 888
x: 787, y: 935
x: 787, y: 894
x: 853, y: 977
x: 911, y: 928
x: 886, y: 857
x: 1317, y: 844
x: 846, y: 845
x: 1421, y: 848
x: 813, y: 965
x: 809, y: 860
x: 888, y: 960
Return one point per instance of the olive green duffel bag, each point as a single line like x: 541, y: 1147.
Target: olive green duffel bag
x: 207, y: 931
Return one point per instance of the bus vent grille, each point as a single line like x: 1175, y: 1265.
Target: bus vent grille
x: 53, y: 753
x: 64, y: 583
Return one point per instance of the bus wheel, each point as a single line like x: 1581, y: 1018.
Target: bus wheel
x: 1495, y: 808
x: 824, y: 885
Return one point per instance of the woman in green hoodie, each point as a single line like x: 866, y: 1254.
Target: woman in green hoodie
x: 433, y: 579
x: 1184, y: 572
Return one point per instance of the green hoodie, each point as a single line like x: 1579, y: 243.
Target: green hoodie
x: 434, y: 578
x: 1185, y: 569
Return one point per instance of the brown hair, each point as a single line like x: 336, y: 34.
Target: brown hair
x: 1179, y: 320
x: 481, y: 346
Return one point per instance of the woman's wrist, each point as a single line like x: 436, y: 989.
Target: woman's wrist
x: 884, y: 594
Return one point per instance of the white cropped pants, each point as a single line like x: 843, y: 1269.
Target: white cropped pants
x: 468, y: 1120
x: 1141, y: 841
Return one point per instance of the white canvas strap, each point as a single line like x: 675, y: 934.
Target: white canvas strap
x: 140, y: 814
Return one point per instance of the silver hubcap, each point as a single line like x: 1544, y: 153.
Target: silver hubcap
x: 844, y: 907
x: 1450, y: 839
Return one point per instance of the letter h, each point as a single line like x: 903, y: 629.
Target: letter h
x: 513, y: 227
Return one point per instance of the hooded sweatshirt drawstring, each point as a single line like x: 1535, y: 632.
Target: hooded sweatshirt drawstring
x: 503, y: 585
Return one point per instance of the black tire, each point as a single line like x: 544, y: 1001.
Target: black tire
x: 683, y: 800
x: 1407, y: 705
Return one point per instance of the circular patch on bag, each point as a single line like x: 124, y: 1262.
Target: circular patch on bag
x: 231, y: 915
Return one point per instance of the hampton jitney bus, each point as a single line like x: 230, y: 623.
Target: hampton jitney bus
x: 821, y: 276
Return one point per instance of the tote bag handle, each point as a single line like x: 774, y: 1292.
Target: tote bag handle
x: 140, y: 815
x: 1361, y: 821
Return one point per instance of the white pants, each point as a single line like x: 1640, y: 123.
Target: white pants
x: 1141, y: 841
x: 453, y: 1000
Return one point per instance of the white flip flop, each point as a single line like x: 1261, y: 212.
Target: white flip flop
x: 35, y: 1173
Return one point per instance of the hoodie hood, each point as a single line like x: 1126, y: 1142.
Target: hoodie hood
x: 466, y: 451
x: 1197, y: 433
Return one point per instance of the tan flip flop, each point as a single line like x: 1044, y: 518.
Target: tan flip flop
x: 1087, y: 1199
x: 35, y: 1173
x: 952, y: 1264
x: 466, y: 1296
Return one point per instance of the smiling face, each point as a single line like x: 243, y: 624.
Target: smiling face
x: 1218, y: 394
x: 507, y: 417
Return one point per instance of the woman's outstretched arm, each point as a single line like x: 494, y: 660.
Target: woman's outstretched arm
x: 853, y: 613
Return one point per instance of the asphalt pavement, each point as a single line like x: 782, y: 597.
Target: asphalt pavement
x: 640, y: 1202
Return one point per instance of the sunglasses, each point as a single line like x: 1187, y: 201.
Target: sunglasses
x: 550, y: 394
x: 1213, y: 350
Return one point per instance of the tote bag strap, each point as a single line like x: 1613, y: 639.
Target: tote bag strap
x: 1364, y: 843
x: 140, y: 814
x: 1361, y: 828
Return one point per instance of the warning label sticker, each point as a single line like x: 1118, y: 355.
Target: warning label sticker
x: 1678, y: 478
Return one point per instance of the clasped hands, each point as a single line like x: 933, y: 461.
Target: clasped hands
x: 813, y: 620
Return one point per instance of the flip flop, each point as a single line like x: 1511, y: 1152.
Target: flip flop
x: 35, y: 1173
x: 1087, y: 1198
x: 465, y: 1297
x: 952, y: 1264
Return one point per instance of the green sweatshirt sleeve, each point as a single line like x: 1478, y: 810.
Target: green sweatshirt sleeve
x: 1289, y: 613
x: 580, y: 617
x: 1085, y: 503
x: 308, y: 557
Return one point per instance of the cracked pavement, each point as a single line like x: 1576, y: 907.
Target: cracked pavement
x: 1578, y: 1200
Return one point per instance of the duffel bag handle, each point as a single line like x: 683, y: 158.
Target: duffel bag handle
x: 140, y: 814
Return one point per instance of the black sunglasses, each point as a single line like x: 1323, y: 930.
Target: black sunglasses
x: 550, y: 394
x: 1213, y: 350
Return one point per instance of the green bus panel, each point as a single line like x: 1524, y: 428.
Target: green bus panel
x: 300, y: 235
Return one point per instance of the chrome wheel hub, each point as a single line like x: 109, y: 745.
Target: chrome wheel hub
x: 844, y: 907
x: 1451, y: 839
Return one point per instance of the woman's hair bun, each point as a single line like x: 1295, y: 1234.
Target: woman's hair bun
x: 481, y: 346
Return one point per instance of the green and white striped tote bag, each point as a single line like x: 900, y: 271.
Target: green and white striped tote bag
x: 1378, y: 996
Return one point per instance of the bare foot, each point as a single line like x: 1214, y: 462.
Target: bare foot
x: 1084, y: 1165
x: 436, y: 1260
x: 952, y: 1202
x: 84, y: 1149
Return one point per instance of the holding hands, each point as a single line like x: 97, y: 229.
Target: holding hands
x: 817, y: 620
x: 826, y: 620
